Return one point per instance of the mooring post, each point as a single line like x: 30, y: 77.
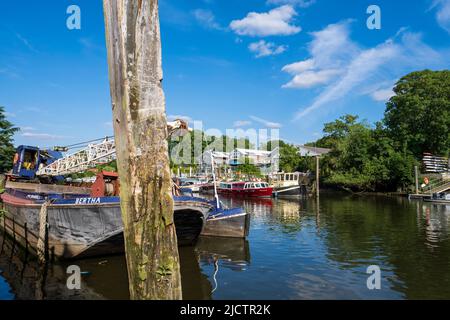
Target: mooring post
x: 140, y: 127
x: 317, y: 176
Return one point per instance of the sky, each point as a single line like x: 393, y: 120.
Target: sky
x: 291, y: 65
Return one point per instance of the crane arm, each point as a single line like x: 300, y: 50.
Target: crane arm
x: 95, y: 154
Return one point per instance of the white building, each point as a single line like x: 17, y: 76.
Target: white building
x: 266, y: 161
x: 306, y: 151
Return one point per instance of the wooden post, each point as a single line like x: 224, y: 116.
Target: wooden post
x: 140, y: 128
x: 317, y: 176
x: 416, y: 173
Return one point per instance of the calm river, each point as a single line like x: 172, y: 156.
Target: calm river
x: 296, y: 250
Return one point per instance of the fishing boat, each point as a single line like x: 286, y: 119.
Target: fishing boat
x: 245, y: 189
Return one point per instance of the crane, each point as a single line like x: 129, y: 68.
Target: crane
x: 97, y: 153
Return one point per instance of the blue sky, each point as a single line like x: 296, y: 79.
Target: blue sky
x: 288, y: 64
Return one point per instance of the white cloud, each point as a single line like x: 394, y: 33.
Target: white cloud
x: 443, y: 13
x: 310, y: 79
x: 330, y: 49
x: 382, y: 94
x: 206, y: 18
x: 241, y: 123
x: 266, y: 123
x: 342, y: 66
x: 273, y: 23
x: 264, y: 49
x: 299, y: 67
x: 300, y: 3
x: 42, y: 136
x: 179, y: 117
x: 358, y: 70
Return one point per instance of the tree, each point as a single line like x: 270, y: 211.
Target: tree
x: 7, y: 150
x: 418, y: 116
x: 290, y: 159
x: 364, y: 158
x: 140, y: 127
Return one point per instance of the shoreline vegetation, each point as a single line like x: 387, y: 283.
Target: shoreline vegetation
x: 364, y: 159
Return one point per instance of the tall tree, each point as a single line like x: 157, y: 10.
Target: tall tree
x: 134, y: 58
x: 7, y: 150
x: 418, y: 116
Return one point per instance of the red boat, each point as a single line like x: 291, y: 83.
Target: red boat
x: 245, y: 189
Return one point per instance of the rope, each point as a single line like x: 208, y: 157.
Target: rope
x: 43, y: 228
x: 216, y: 269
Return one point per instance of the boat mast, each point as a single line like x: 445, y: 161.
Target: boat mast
x: 216, y: 195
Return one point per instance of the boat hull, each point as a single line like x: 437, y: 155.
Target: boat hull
x: 247, y: 193
x: 290, y: 191
x: 84, y: 227
x: 230, y: 223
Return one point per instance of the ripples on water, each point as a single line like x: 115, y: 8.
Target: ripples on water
x: 296, y: 250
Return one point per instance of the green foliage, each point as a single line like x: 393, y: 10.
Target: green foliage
x: 7, y: 150
x: 248, y: 169
x: 418, y: 116
x: 363, y: 158
x: 290, y: 161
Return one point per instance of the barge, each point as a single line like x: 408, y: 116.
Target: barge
x: 82, y: 226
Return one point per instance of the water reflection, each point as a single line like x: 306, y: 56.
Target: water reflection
x: 297, y: 249
x: 106, y: 278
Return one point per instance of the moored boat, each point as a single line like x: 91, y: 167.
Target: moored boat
x: 289, y: 184
x: 230, y: 223
x: 245, y: 189
x: 83, y: 225
x: 439, y: 198
x: 86, y: 226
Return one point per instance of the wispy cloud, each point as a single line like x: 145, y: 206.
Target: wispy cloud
x: 382, y: 94
x: 241, y: 123
x: 264, y: 49
x: 90, y: 45
x: 10, y: 115
x: 9, y: 73
x: 300, y: 3
x: 26, y: 43
x: 42, y: 136
x: 342, y: 66
x: 207, y: 61
x: 266, y: 123
x: 276, y: 22
x: 206, y: 18
x: 443, y: 13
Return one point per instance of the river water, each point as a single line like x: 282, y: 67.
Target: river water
x: 297, y: 249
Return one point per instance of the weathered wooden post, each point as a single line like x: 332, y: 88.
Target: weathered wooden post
x: 140, y: 127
